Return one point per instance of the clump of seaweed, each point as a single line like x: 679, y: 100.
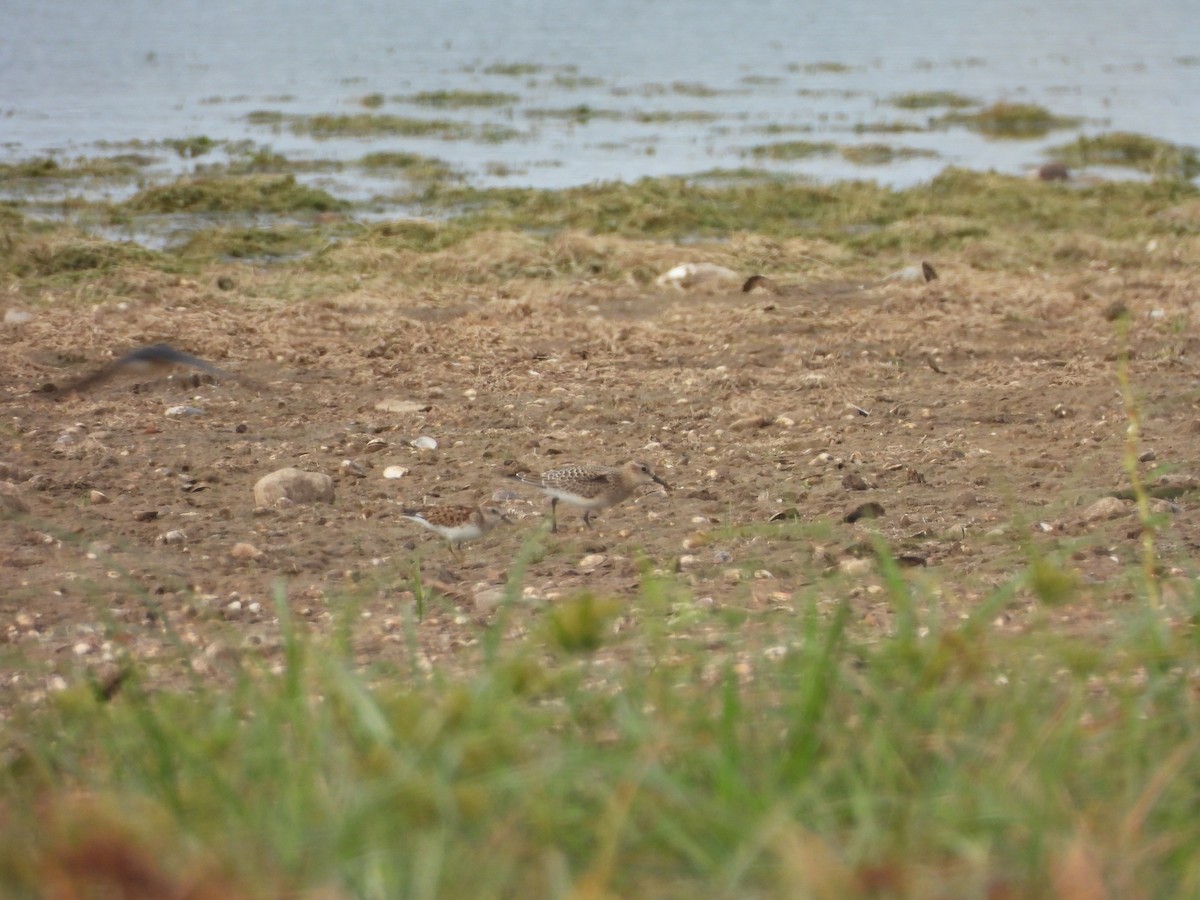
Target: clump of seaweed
x: 1136, y: 151
x: 368, y: 125
x: 1011, y: 120
x: 460, y: 99
x: 783, y: 150
x: 881, y: 154
x: 249, y: 193
x: 932, y: 100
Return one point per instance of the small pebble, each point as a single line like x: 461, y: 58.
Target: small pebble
x: 425, y: 442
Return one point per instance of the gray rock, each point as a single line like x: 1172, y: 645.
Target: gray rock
x: 294, y: 485
x: 1106, y: 508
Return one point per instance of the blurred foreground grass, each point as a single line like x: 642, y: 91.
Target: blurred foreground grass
x: 796, y: 759
x: 642, y: 746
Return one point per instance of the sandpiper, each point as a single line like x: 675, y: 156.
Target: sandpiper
x: 155, y: 358
x: 592, y: 488
x: 457, y: 524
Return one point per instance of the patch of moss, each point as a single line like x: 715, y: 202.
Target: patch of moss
x: 581, y: 114
x: 371, y: 101
x: 394, y: 160
x: 779, y: 128
x: 693, y: 89
x: 497, y: 134
x: 10, y: 215
x: 880, y: 154
x: 570, y: 82
x: 191, y: 147
x: 1011, y: 120
x: 404, y: 234
x: 271, y: 117
x: 460, y: 99
x: 792, y: 149
x: 41, y: 167
x: 856, y: 214
x: 253, y: 159
x: 48, y: 168
x: 1136, y: 151
x: 512, y: 70
x: 75, y: 255
x: 368, y: 125
x: 250, y: 243
x: 886, y: 128
x: 932, y: 100
x: 664, y: 116
x: 262, y: 159
x: 249, y: 193
x: 825, y: 66
x: 742, y: 173
x: 413, y: 166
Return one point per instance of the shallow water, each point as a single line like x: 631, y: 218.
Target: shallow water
x: 76, y: 73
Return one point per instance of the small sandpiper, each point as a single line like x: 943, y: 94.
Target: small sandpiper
x: 457, y: 524
x: 592, y: 488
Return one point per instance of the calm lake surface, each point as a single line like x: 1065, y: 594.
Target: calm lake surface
x: 670, y: 86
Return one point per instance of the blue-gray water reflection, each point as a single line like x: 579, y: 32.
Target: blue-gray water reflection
x: 76, y: 72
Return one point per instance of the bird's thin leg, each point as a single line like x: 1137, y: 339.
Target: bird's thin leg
x: 553, y: 515
x: 587, y: 518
